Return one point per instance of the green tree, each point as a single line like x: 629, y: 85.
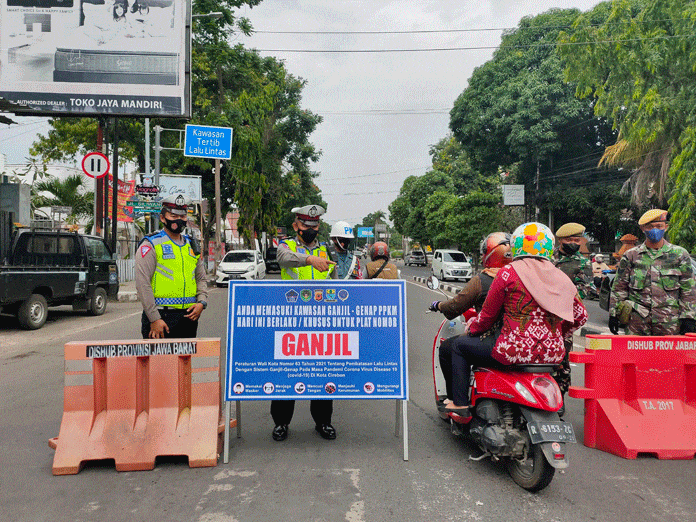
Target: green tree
x: 638, y: 67
x: 69, y: 192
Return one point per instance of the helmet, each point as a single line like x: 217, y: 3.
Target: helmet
x: 341, y: 229
x: 379, y: 250
x: 532, y: 240
x: 495, y: 250
x: 599, y: 258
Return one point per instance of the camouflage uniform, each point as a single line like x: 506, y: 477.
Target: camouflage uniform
x: 578, y: 268
x: 659, y: 286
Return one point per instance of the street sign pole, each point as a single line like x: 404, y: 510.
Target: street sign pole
x: 217, y: 214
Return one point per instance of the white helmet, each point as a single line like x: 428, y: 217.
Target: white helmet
x: 341, y: 229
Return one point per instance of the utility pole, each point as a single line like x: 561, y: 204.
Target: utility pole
x: 217, y: 214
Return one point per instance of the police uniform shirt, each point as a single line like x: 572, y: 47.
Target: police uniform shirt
x: 288, y: 259
x: 145, y: 263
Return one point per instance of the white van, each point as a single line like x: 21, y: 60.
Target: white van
x: 451, y: 264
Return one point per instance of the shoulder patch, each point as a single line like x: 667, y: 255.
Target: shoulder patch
x: 144, y: 249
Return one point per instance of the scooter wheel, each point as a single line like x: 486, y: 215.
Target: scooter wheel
x: 534, y: 473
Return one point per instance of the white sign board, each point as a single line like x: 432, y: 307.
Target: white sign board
x: 513, y: 195
x: 180, y: 184
x: 91, y: 57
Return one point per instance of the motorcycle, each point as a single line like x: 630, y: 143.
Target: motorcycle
x: 513, y: 413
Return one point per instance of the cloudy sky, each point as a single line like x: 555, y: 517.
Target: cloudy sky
x: 382, y: 110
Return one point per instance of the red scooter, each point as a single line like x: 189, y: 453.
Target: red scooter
x: 514, y: 413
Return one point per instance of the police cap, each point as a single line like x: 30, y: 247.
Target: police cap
x: 176, y: 204
x: 569, y: 230
x: 309, y: 214
x: 653, y: 215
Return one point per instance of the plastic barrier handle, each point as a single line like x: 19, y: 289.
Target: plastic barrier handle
x: 581, y: 357
x: 579, y: 392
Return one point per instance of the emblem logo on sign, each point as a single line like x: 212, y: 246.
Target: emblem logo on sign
x: 300, y: 387
x: 268, y: 388
x: 238, y: 388
x: 305, y: 294
x: 330, y: 294
x: 343, y: 294
x: 318, y: 295
x: 291, y: 296
x: 369, y: 387
x: 330, y: 387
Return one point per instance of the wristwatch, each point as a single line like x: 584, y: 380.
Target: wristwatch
x: 204, y: 303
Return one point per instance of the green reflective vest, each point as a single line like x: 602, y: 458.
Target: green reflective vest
x: 305, y: 272
x: 174, y: 280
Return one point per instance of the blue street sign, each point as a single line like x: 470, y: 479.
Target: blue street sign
x: 365, y: 232
x: 208, y: 142
x: 317, y: 339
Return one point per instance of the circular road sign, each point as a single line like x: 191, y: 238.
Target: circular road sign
x: 95, y: 164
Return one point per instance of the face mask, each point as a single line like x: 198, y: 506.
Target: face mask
x: 308, y: 235
x: 341, y: 243
x: 655, y: 235
x: 570, y: 248
x: 174, y: 225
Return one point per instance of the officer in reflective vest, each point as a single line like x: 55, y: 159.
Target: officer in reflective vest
x: 170, y: 276
x: 304, y: 258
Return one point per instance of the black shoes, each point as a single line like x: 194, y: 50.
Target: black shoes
x: 327, y: 431
x: 280, y: 432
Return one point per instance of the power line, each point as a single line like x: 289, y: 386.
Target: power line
x: 375, y: 174
x: 383, y: 112
x: 471, y: 48
x: 471, y: 30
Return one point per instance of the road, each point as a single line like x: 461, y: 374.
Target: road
x: 361, y: 476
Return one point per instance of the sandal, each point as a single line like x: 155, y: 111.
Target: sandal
x: 462, y: 411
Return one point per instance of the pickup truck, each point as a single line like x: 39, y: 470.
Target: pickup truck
x: 48, y: 268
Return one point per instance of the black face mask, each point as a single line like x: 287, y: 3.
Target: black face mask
x: 570, y: 248
x: 174, y: 225
x: 342, y: 243
x: 308, y: 235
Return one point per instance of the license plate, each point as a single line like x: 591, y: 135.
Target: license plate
x: 551, y: 432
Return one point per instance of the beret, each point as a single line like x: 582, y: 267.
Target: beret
x: 570, y: 229
x: 655, y: 214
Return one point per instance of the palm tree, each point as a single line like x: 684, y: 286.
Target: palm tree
x: 64, y: 193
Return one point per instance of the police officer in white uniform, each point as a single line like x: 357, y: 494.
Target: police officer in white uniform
x: 170, y: 277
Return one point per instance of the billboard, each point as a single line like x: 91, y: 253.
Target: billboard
x: 96, y: 57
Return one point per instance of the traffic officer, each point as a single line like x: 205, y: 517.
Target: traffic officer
x: 170, y: 276
x: 347, y: 263
x: 304, y: 258
x: 654, y: 291
x: 579, y: 270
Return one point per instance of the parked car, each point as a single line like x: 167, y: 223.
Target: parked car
x: 51, y: 268
x: 271, y: 261
x: 416, y: 257
x: 451, y: 264
x: 240, y: 264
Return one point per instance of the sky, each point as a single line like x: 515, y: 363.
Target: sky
x: 382, y: 111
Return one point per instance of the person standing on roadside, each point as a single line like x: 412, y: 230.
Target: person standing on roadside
x: 304, y: 258
x: 170, y: 277
x: 654, y: 291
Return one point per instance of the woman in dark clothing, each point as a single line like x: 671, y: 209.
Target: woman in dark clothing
x: 495, y: 253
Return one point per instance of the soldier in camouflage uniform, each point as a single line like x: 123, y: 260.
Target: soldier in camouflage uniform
x: 579, y: 269
x: 654, y: 292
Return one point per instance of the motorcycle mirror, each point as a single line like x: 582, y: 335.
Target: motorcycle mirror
x: 433, y: 283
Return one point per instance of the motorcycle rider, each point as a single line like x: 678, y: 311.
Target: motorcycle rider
x: 598, y: 267
x: 540, y: 308
x: 380, y: 267
x: 347, y: 263
x: 495, y: 254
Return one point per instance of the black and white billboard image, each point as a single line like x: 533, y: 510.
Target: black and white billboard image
x: 110, y: 57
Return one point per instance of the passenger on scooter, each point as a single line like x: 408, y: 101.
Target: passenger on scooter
x: 495, y: 253
x: 598, y: 268
x: 540, y: 308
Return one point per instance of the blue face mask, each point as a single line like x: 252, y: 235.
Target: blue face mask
x: 655, y: 235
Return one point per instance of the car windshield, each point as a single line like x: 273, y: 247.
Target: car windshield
x: 454, y: 257
x: 239, y: 257
x: 417, y: 254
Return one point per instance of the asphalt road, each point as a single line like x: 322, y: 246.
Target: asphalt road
x: 361, y: 476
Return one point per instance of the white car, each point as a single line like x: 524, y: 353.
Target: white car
x: 451, y: 264
x: 240, y: 264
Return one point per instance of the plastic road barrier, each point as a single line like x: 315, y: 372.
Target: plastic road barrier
x: 132, y: 401
x: 640, y: 395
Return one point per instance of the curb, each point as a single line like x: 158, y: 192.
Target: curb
x: 443, y: 286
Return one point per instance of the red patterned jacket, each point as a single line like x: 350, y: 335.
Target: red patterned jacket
x: 530, y: 334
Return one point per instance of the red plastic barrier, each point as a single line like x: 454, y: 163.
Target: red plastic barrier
x: 133, y: 401
x: 640, y: 395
